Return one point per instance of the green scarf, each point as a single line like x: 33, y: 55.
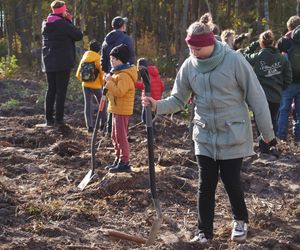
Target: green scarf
x: 210, y: 63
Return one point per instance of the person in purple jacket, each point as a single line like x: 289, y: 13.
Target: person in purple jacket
x: 58, y: 57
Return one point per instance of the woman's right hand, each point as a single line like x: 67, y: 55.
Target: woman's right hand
x: 146, y: 101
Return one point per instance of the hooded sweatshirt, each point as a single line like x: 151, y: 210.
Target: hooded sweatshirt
x: 157, y: 87
x: 121, y: 91
x: 91, y: 56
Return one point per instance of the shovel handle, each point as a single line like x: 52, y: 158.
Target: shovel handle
x: 146, y: 80
x: 97, y: 122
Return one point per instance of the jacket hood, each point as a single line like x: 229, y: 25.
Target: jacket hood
x: 113, y: 36
x: 52, y: 18
x: 131, y: 71
x: 296, y: 34
x: 90, y: 56
x: 153, y: 71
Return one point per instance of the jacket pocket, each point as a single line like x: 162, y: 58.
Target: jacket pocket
x: 237, y: 133
x: 200, y: 132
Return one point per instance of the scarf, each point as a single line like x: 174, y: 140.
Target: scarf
x: 210, y: 63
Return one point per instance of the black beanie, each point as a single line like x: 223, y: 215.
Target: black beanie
x: 121, y: 52
x: 95, y: 46
x: 142, y: 62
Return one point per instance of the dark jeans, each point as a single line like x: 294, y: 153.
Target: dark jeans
x: 209, y: 170
x: 273, y: 107
x: 56, y: 93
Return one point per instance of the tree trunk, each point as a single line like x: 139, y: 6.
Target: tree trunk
x: 183, y: 49
x: 177, y: 35
x: 1, y: 19
x: 22, y: 29
x: 266, y: 14
x: 134, y: 21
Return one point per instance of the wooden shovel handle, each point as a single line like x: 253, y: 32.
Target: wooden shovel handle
x: 125, y: 236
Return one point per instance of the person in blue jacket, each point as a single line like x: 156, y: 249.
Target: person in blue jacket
x: 58, y: 57
x: 114, y: 38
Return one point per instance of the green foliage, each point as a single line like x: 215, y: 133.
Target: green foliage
x: 33, y: 210
x: 8, y: 66
x: 11, y: 103
x: 74, y: 89
x: 166, y: 65
x: 41, y: 98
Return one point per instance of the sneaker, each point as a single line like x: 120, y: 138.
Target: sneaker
x: 239, y: 230
x: 114, y: 164
x: 274, y: 152
x: 48, y: 123
x: 121, y: 167
x: 200, y: 238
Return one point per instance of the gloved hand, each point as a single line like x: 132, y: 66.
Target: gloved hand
x: 273, y: 143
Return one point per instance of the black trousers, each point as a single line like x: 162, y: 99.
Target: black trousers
x: 56, y: 93
x: 209, y: 171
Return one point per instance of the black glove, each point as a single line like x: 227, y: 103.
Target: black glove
x: 273, y: 143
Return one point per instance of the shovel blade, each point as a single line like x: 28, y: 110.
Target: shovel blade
x: 87, y: 178
x: 154, y: 231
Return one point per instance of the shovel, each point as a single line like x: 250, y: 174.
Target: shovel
x: 158, y: 221
x: 85, y: 181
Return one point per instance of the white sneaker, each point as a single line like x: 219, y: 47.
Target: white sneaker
x: 200, y: 238
x: 239, y: 230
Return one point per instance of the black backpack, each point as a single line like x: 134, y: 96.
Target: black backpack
x: 88, y: 72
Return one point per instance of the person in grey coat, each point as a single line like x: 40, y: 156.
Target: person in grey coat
x: 223, y: 84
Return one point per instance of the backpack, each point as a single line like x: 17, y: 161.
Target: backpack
x: 88, y: 72
x: 294, y: 58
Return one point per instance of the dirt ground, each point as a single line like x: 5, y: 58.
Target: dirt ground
x: 42, y: 208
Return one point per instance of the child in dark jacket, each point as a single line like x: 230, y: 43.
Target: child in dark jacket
x: 157, y: 86
x: 92, y: 89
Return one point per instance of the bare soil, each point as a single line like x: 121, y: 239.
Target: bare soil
x: 42, y: 208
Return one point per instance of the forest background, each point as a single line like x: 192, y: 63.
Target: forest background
x: 158, y: 27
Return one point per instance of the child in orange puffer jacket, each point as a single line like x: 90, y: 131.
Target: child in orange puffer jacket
x: 91, y: 89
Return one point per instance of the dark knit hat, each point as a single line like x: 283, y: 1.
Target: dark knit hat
x: 118, y: 21
x: 142, y: 62
x: 95, y: 45
x: 121, y: 52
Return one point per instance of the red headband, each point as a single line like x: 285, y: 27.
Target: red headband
x: 59, y: 10
x: 200, y: 40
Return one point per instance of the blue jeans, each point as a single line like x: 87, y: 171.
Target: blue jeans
x: 292, y: 92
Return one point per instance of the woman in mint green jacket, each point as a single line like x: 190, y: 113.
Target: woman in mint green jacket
x: 223, y: 84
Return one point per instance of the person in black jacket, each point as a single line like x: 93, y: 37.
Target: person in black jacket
x: 114, y: 38
x: 58, y: 57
